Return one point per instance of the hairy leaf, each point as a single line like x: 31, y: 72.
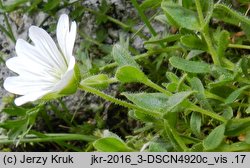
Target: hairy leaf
x: 190, y: 66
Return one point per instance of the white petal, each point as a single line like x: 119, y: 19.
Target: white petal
x: 26, y: 50
x: 66, y: 37
x: 47, y: 47
x: 62, y: 31
x: 71, y: 38
x: 27, y: 67
x: 21, y: 85
x: 66, y: 78
x: 29, y: 97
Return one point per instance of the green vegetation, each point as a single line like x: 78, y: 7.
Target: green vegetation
x: 187, y: 89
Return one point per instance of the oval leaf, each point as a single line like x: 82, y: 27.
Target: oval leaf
x: 236, y: 127
x: 190, y: 66
x: 151, y: 101
x: 215, y: 138
x: 129, y: 73
x: 181, y: 17
x: 197, y: 85
x: 193, y: 42
x: 138, y: 115
x: 195, y: 123
x: 122, y: 56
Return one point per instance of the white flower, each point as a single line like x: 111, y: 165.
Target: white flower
x: 45, y: 70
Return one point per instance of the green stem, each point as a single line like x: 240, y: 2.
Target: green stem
x: 143, y: 26
x: 211, y: 49
x: 143, y: 17
x: 119, y: 102
x: 157, y: 87
x: 210, y: 95
x: 87, y: 38
x: 9, y: 28
x: 239, y: 46
x: 124, y: 26
x: 49, y: 138
x: 206, y: 112
x: 205, y: 33
x: 167, y: 39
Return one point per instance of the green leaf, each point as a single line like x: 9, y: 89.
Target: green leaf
x: 180, y: 17
x: 215, y: 138
x: 172, y: 87
x: 151, y: 101
x: 122, y: 56
x: 195, y: 123
x: 235, y: 127
x: 15, y: 111
x: 235, y: 94
x: 150, y: 4
x: 197, y: 147
x: 243, y: 1
x: 222, y: 43
x: 177, y: 99
x: 189, y: 66
x: 167, y: 39
x: 138, y: 115
x: 229, y: 15
x: 127, y: 74
x: 222, y: 14
x: 245, y: 64
x: 223, y: 77
x: 174, y: 137
x: 161, y: 18
x: 158, y: 147
x: 193, y: 42
x: 51, y: 4
x: 172, y: 77
x: 227, y: 112
x: 194, y: 53
x: 21, y: 124
x: 188, y: 3
x: 248, y: 137
x: 111, y: 144
x: 100, y: 81
x: 14, y: 5
x: 197, y: 85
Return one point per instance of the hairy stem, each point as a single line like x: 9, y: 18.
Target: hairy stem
x: 119, y: 102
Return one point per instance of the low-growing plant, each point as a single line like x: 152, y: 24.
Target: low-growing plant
x: 193, y: 80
